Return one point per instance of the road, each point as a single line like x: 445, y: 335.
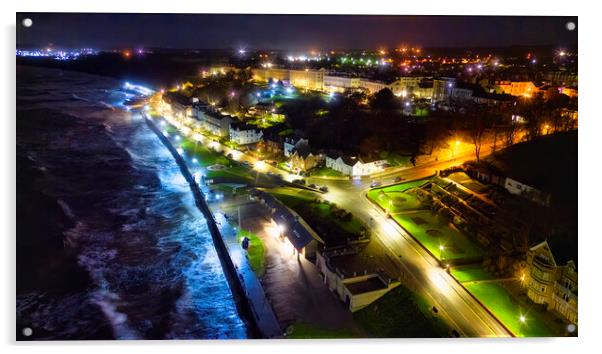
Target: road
x: 452, y: 301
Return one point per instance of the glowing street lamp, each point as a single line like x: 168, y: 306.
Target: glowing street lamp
x: 260, y: 166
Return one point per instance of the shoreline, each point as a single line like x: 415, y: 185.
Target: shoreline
x: 235, y: 280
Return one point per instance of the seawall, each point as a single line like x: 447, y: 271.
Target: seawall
x: 242, y: 302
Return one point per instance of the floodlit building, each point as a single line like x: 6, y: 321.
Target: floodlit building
x: 308, y: 79
x: 354, y: 166
x: 552, y: 281
x: 405, y: 85
x: 274, y: 74
x: 214, y: 122
x: 372, y: 86
x: 516, y: 88
x: 442, y: 88
x: 244, y: 134
x: 340, y: 83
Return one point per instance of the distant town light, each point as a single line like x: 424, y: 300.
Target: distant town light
x: 522, y: 318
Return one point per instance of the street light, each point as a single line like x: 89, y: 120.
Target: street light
x: 522, y: 320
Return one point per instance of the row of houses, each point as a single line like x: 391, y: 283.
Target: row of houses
x: 301, y: 157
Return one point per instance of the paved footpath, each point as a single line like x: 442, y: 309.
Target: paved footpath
x: 262, y: 310
x: 265, y: 319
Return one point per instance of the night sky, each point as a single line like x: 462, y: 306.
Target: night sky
x: 289, y: 32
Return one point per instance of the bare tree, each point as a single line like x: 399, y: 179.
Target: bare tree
x: 478, y: 123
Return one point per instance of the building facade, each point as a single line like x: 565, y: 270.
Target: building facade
x: 215, y: 123
x: 354, y: 166
x: 551, y: 284
x: 516, y: 88
x: 244, y: 134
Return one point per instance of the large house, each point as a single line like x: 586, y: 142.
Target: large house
x: 303, y: 160
x: 552, y: 280
x: 354, y: 166
x: 215, y: 122
x: 244, y: 134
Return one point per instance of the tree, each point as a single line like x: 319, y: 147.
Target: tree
x: 478, y: 123
x: 385, y: 100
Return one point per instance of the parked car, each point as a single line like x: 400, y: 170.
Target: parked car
x: 398, y: 179
x: 374, y: 184
x: 313, y: 186
x: 324, y: 189
x: 299, y: 181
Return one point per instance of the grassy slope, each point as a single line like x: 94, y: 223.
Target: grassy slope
x: 400, y: 314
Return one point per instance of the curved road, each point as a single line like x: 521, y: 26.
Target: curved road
x: 459, y: 308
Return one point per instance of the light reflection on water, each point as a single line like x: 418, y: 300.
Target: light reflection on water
x: 156, y: 269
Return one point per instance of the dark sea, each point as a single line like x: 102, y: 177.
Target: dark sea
x: 109, y: 242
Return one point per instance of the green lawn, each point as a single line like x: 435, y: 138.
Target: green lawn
x: 205, y: 156
x: 470, y: 273
x: 508, y: 310
x: 326, y: 172
x: 400, y: 314
x: 235, y: 172
x: 430, y: 229
x: 309, y: 331
x: 326, y: 219
x: 255, y: 252
x: 374, y: 194
x: 395, y: 202
x: 433, y: 231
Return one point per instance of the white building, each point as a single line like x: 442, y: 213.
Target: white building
x: 354, y: 166
x: 243, y: 134
x: 340, y: 83
x: 372, y: 86
x: 291, y: 144
x: 533, y: 194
